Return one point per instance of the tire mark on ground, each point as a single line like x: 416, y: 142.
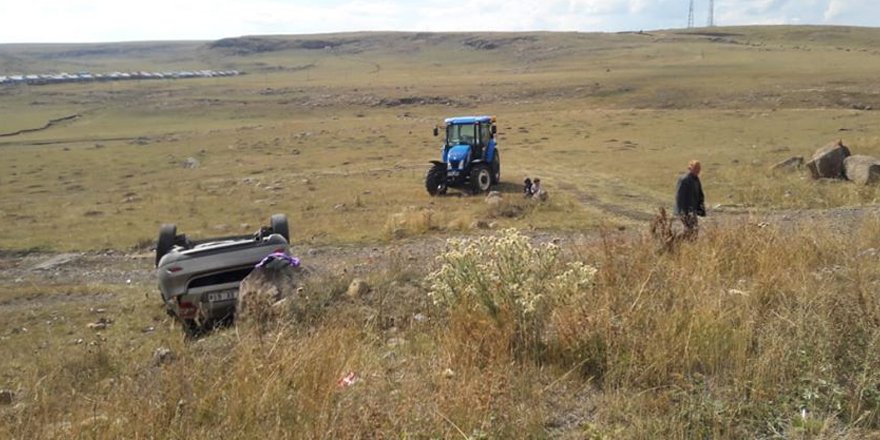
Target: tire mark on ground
x: 48, y: 125
x: 593, y: 201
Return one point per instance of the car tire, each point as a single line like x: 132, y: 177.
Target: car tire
x: 481, y: 178
x: 279, y: 226
x: 435, y: 180
x: 167, y: 236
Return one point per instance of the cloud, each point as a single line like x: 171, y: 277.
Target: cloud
x: 115, y: 20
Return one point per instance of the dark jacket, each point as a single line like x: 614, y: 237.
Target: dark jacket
x: 689, y: 196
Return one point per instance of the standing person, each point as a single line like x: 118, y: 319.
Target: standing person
x: 689, y: 200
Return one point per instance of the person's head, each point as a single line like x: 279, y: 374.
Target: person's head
x: 527, y: 181
x: 537, y: 181
x: 694, y: 167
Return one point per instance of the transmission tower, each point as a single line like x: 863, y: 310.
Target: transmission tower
x: 711, y: 21
x: 691, y: 15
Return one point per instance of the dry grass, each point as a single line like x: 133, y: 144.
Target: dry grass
x: 604, y: 120
x: 745, y: 332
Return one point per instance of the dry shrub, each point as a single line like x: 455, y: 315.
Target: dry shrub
x: 410, y: 222
x: 505, y: 279
x: 508, y: 207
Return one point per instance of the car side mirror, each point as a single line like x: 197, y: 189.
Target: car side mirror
x: 494, y: 129
x: 436, y: 131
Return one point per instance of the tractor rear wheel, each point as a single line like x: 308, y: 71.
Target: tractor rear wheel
x: 435, y: 180
x: 481, y: 179
x: 496, y: 168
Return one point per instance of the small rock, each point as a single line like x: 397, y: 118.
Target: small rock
x: 101, y: 324
x: 93, y: 421
x: 448, y: 373
x: 420, y: 317
x: 191, y: 163
x: 149, y: 329
x: 480, y: 224
x: 790, y: 164
x: 357, y: 288
x: 870, y: 252
x: 6, y: 397
x: 56, y: 261
x: 306, y: 182
x: 98, y: 310
x: 245, y: 226
x: 163, y: 356
x: 494, y: 198
x: 395, y: 342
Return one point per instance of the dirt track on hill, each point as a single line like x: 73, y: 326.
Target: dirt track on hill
x: 55, y: 273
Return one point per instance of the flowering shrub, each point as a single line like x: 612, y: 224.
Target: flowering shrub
x: 506, y: 277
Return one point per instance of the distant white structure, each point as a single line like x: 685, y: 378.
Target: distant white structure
x: 64, y: 77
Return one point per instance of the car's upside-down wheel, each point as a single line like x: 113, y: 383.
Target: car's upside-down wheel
x: 279, y: 226
x: 167, y: 236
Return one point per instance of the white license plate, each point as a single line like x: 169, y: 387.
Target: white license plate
x: 225, y: 295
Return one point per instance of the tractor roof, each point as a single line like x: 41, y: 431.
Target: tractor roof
x: 469, y: 120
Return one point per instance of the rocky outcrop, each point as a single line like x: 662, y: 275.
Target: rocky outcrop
x: 790, y: 164
x: 861, y: 169
x: 357, y: 288
x: 827, y: 162
x: 265, y: 287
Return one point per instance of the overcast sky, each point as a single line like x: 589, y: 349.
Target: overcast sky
x: 127, y: 20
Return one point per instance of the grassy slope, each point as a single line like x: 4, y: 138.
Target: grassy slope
x: 607, y: 119
x: 749, y: 332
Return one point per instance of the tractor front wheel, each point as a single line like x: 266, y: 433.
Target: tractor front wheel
x: 481, y: 179
x: 435, y: 180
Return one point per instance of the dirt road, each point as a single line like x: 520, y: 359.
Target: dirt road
x: 57, y: 273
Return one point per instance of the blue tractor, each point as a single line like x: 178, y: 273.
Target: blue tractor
x: 470, y: 156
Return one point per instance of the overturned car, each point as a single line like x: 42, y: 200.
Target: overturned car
x: 199, y: 279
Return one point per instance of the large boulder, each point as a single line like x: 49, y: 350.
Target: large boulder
x: 861, y: 169
x: 827, y: 162
x: 268, y: 284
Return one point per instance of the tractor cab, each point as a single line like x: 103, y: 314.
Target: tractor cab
x: 469, y: 155
x: 472, y: 133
